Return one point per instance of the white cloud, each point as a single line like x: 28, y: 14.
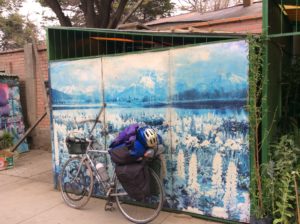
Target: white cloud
x: 192, y: 55
x: 119, y: 68
x: 158, y: 60
x: 147, y: 82
x: 32, y: 10
x: 90, y: 89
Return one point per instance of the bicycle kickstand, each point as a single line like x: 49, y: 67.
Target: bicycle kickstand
x: 109, y: 205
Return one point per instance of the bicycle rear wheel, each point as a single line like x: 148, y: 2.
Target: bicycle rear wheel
x: 76, y: 182
x: 145, y: 210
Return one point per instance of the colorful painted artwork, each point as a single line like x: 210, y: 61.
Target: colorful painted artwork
x: 194, y: 96
x: 11, y: 117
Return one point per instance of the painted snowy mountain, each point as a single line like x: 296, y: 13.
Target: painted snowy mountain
x: 144, y: 90
x: 228, y: 86
x: 69, y: 97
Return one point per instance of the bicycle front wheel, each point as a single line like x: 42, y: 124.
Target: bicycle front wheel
x: 76, y: 182
x: 145, y: 210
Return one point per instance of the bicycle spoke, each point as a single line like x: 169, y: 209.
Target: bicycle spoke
x: 76, y: 182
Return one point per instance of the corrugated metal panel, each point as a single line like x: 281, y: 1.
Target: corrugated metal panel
x: 231, y: 12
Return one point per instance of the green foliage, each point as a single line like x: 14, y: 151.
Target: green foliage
x: 278, y: 191
x: 284, y: 206
x: 268, y: 183
x: 151, y: 9
x: 256, y: 62
x: 286, y: 155
x: 77, y: 13
x: 6, y: 140
x: 15, y: 31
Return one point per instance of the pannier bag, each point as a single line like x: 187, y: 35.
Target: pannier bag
x: 155, y: 165
x: 135, y: 179
x: 121, y: 155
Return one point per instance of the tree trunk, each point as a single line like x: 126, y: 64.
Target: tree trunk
x: 90, y: 15
x: 117, y: 16
x: 88, y: 9
x: 104, y: 15
x: 55, y: 6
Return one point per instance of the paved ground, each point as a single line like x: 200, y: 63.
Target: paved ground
x: 27, y: 196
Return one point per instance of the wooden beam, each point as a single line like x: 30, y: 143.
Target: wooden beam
x: 28, y: 132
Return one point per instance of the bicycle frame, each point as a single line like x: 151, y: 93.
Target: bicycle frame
x: 107, y: 187
x: 93, y: 166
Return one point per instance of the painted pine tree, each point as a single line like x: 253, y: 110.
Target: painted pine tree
x: 230, y: 189
x: 180, y: 165
x: 217, y: 174
x: 193, y: 125
x: 193, y: 174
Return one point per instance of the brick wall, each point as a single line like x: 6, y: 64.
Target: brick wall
x: 13, y: 62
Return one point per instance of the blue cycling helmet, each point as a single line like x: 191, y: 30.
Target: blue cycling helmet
x: 147, y: 136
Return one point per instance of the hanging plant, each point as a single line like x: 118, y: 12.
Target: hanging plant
x: 256, y: 61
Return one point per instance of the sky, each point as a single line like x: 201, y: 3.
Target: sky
x: 34, y: 12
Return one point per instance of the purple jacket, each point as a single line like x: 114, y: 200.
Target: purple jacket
x: 127, y: 136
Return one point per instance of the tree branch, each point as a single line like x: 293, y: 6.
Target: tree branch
x: 56, y: 8
x: 117, y: 16
x: 137, y: 5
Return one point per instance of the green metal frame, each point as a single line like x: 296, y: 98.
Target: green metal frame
x: 277, y: 30
x: 76, y: 43
x: 284, y: 34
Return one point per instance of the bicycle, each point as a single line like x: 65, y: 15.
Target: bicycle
x: 77, y: 177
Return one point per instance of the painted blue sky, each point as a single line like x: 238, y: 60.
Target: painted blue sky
x: 76, y: 77
x: 210, y: 66
x: 146, y: 70
x: 205, y: 68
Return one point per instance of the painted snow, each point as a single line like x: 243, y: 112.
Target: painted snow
x: 194, y: 96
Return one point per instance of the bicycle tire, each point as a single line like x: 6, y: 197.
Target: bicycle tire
x: 76, y: 191
x: 149, y: 207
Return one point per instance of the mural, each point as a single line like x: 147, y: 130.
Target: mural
x: 210, y: 130
x: 138, y: 93
x: 195, y: 98
x: 76, y: 95
x: 11, y: 117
